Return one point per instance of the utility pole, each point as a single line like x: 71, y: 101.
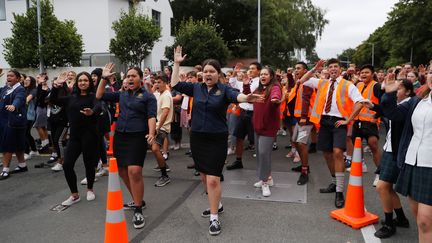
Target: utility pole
x: 373, y: 54
x: 39, y: 21
x: 259, y: 33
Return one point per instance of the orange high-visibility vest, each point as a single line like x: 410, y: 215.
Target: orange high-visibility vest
x: 344, y: 103
x: 365, y: 113
x: 298, y: 103
x: 291, y: 95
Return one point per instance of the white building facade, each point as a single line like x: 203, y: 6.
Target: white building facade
x: 93, y: 20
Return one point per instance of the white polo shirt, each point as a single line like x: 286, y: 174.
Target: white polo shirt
x: 254, y: 83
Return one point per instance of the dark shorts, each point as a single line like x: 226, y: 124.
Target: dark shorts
x: 329, y: 136
x: 415, y: 182
x: 130, y: 148
x: 244, y: 126
x: 209, y: 152
x: 160, y: 137
x: 289, y: 121
x: 364, y: 130
x: 389, y: 170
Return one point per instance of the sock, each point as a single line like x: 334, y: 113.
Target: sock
x: 389, y: 219
x: 239, y: 159
x: 220, y: 205
x: 163, y: 171
x: 304, y: 170
x: 44, y: 142
x: 54, y: 154
x: 340, y: 179
x: 400, y: 213
x: 6, y: 169
x: 22, y: 165
x: 349, y: 157
x: 333, y: 179
x: 312, y: 145
x: 213, y: 217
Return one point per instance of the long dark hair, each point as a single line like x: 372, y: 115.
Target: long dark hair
x: 91, y: 88
x: 31, y: 86
x: 273, y: 81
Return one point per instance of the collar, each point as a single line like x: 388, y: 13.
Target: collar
x: 404, y: 100
x: 11, y: 89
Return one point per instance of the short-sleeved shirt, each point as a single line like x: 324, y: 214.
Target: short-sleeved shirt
x: 209, y: 106
x: 164, y: 100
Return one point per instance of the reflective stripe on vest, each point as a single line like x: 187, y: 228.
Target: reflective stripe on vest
x: 298, y: 104
x: 365, y: 113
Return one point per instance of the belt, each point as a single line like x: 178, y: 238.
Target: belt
x: 332, y: 118
x: 247, y: 111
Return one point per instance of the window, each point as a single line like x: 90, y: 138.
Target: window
x: 2, y: 10
x: 156, y: 16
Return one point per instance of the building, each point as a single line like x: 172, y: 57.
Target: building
x: 93, y: 20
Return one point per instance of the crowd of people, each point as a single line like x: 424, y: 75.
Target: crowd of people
x: 321, y: 108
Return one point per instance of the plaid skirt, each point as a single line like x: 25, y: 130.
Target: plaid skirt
x: 415, y: 182
x: 389, y: 171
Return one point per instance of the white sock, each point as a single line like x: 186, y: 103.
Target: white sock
x: 220, y: 205
x: 54, y: 154
x: 334, y: 180
x: 213, y: 217
x: 22, y: 165
x: 6, y: 169
x: 349, y: 157
x: 340, y: 180
x: 44, y: 142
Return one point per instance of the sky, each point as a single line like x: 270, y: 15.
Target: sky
x: 350, y: 23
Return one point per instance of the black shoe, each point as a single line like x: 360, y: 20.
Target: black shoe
x: 299, y: 168
x: 191, y: 166
x: 330, y: 189
x: 401, y: 223
x: 44, y: 150
x: 206, y: 213
x: 235, y: 165
x: 303, y: 179
x: 138, y: 220
x: 214, y: 228
x: 52, y: 159
x: 4, y: 175
x: 197, y: 173
x: 385, y: 232
x: 131, y: 205
x: 339, y: 200
x: 188, y: 153
x: 19, y: 170
x: 312, y: 150
x: 347, y: 163
x: 275, y: 147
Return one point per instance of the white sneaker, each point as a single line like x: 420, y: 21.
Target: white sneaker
x: 70, y: 201
x: 230, y: 151
x: 265, y: 190
x: 84, y: 181
x: 102, y: 172
x: 34, y: 153
x: 99, y: 166
x: 364, y: 168
x: 90, y: 196
x: 375, y: 182
x: 177, y: 146
x: 27, y: 156
x: 260, y: 183
x: 57, y: 167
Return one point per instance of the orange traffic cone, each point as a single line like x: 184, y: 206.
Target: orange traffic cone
x: 354, y: 213
x: 110, y: 150
x: 115, y: 223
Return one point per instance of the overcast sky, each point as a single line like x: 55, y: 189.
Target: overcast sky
x: 350, y: 23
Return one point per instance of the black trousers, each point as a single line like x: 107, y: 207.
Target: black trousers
x: 87, y: 144
x: 30, y: 142
x: 58, y: 131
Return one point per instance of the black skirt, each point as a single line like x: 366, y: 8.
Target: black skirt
x: 209, y: 152
x: 415, y: 182
x: 130, y: 148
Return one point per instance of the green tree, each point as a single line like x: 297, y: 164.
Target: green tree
x: 346, y: 56
x: 200, y: 41
x: 135, y: 37
x: 61, y: 44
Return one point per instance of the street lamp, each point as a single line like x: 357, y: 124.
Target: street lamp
x: 39, y: 21
x: 259, y: 33
x: 373, y: 53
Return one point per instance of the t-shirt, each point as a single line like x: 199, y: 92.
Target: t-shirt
x: 164, y: 100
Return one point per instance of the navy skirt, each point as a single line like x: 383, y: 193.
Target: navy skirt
x: 11, y: 139
x: 209, y: 152
x: 415, y: 182
x: 130, y: 148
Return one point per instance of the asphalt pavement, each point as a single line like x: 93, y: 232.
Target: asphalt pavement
x: 173, y: 212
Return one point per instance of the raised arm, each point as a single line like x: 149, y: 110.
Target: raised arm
x: 178, y: 58
x: 311, y: 72
x: 106, y: 73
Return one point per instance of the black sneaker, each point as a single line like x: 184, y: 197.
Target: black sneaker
x: 4, y: 175
x: 52, y: 159
x: 206, y: 213
x: 303, y: 179
x: 401, y: 223
x: 191, y: 166
x: 235, y: 165
x: 275, y: 147
x: 188, y: 152
x: 385, y: 231
x: 330, y: 189
x: 131, y: 205
x: 299, y: 168
x: 44, y: 150
x: 214, y: 228
x: 162, y: 181
x: 138, y: 220
x: 347, y: 163
x: 19, y: 170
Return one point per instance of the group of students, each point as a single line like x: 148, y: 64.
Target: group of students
x: 339, y: 106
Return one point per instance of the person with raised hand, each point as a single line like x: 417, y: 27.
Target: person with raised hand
x: 135, y: 130
x: 82, y: 109
x: 209, y: 130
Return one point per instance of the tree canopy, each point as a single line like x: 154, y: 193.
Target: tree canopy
x: 200, y: 41
x: 61, y: 44
x: 286, y: 25
x: 407, y: 32
x: 135, y: 35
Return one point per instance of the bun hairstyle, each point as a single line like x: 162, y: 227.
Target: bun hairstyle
x: 214, y: 63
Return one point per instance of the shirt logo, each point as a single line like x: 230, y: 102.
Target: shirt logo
x: 217, y: 93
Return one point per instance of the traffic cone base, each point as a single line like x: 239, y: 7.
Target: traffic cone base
x: 355, y: 223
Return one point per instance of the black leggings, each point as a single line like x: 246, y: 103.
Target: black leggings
x: 102, y: 150
x: 86, y: 143
x: 30, y: 142
x: 58, y: 131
